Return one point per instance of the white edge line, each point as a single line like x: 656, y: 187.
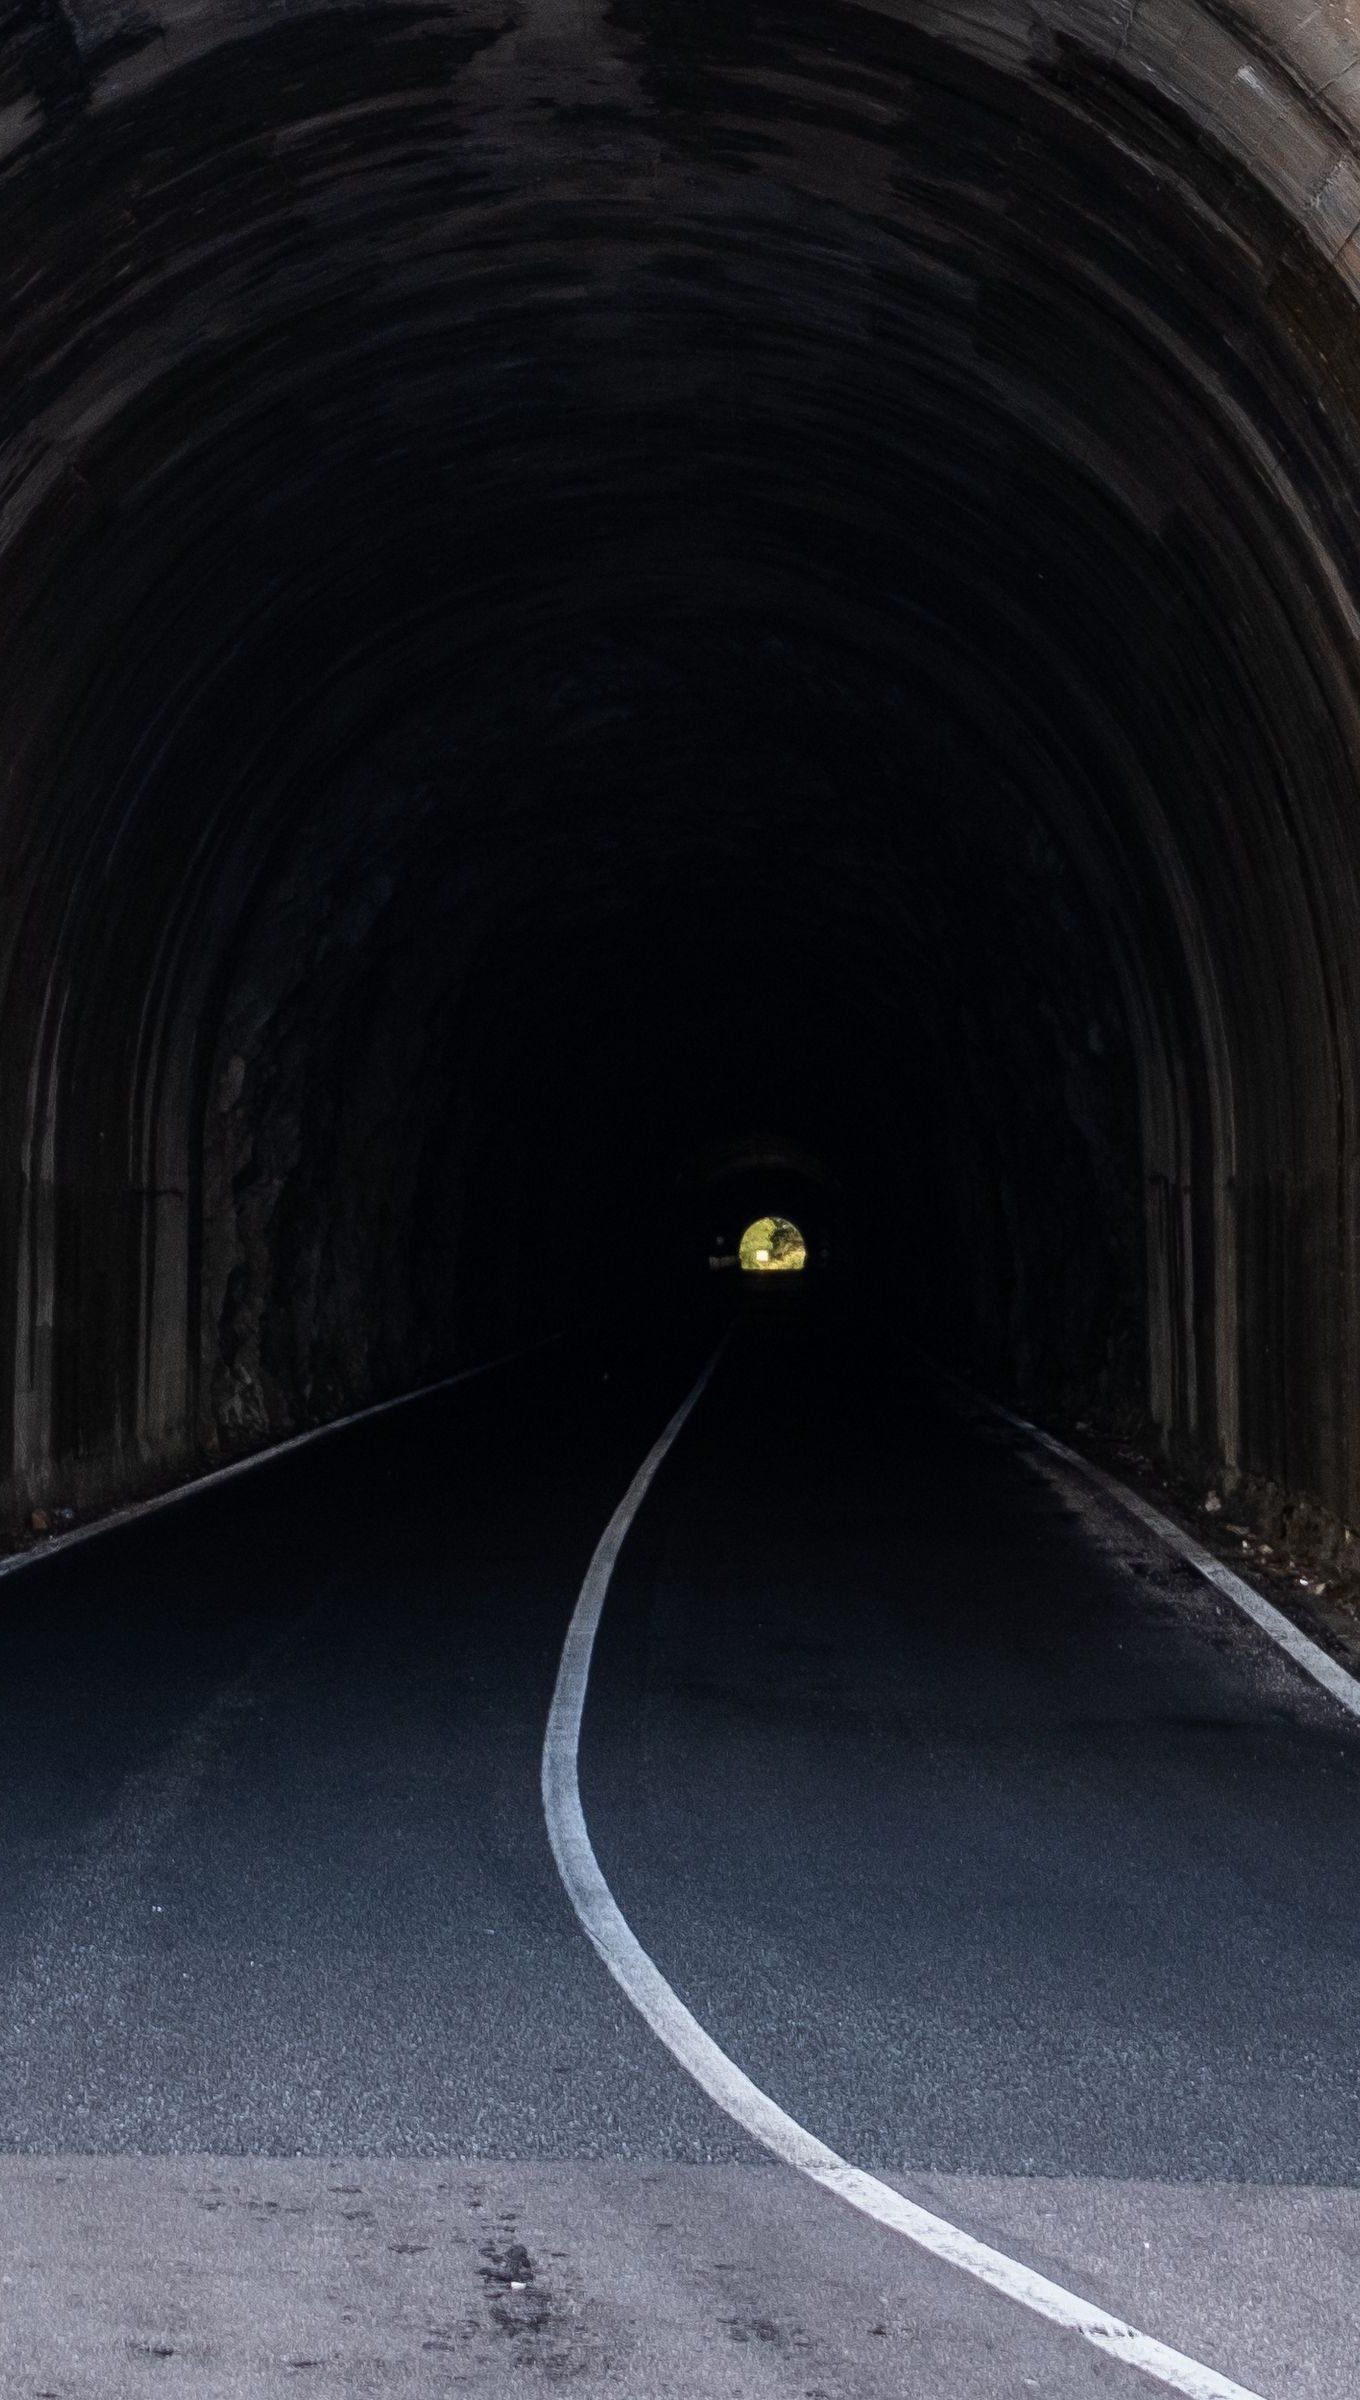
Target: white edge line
x: 132, y: 1511
x: 646, y: 1987
x: 1310, y: 1655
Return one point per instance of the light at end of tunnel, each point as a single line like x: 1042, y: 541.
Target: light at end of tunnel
x: 773, y: 1245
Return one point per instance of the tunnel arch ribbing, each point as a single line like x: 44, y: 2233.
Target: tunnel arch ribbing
x: 383, y: 374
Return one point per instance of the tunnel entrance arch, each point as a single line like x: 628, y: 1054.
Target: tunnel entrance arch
x: 408, y: 630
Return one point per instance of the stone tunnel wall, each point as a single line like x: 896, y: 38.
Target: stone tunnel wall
x: 454, y: 464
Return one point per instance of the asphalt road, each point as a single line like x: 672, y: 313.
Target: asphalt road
x: 979, y: 1831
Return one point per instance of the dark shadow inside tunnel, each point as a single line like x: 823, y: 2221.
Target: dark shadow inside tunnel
x: 572, y: 594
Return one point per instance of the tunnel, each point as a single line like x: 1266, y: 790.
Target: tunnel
x: 599, y: 598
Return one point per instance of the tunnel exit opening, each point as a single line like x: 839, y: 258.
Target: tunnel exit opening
x: 772, y: 1246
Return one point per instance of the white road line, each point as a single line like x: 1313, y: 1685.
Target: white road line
x: 718, y: 2075
x: 1309, y: 1655
x: 130, y: 1512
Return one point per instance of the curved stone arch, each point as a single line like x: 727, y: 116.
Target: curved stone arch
x: 121, y: 411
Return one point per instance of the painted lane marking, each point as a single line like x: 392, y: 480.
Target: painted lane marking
x: 131, y: 1512
x: 646, y: 1987
x: 1309, y: 1655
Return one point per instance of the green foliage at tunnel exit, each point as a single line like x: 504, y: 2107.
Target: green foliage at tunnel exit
x: 771, y: 1246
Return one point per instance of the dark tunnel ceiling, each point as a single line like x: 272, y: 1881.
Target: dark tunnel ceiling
x: 579, y: 582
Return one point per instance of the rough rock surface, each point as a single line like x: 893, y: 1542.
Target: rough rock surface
x: 581, y: 581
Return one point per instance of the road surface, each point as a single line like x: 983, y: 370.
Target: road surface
x: 978, y: 1830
